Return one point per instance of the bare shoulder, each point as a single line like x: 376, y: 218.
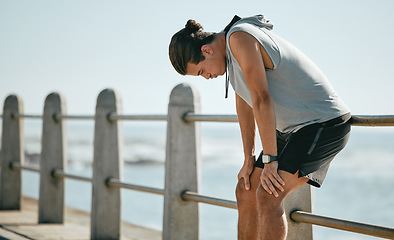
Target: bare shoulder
x: 241, y: 40
x: 245, y: 47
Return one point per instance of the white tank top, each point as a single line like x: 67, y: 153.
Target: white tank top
x: 301, y: 92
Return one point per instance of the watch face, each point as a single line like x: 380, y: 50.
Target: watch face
x: 268, y: 158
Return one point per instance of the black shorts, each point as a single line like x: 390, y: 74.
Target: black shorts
x: 311, y: 149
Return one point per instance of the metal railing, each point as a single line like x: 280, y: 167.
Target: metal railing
x: 192, y: 196
x: 113, y: 182
x: 350, y: 226
x: 17, y: 167
x: 296, y: 215
x: 357, y: 120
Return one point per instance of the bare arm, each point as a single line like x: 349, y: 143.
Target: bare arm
x: 248, y: 133
x: 249, y: 54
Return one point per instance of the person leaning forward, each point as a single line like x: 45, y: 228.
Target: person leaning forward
x: 302, y: 122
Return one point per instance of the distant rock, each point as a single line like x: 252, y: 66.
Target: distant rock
x: 142, y: 161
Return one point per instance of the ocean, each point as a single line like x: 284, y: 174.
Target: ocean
x: 358, y: 186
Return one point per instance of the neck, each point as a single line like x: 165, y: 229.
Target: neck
x: 220, y: 44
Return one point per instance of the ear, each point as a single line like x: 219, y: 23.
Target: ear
x: 206, y: 50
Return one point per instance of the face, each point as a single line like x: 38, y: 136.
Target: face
x: 212, y: 67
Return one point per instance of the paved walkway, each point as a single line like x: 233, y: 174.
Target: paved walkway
x: 22, y: 225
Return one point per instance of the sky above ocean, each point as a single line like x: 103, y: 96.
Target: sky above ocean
x: 78, y: 48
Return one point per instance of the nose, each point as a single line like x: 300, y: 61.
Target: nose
x: 206, y: 76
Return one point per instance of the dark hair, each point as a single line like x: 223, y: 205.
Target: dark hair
x: 185, y: 46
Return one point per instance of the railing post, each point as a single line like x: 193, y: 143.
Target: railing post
x: 301, y: 199
x: 182, y: 166
x: 53, y: 156
x: 107, y: 163
x: 11, y: 151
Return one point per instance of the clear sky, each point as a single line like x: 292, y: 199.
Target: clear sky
x: 78, y: 48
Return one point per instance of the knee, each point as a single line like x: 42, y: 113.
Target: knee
x: 266, y: 201
x: 244, y: 197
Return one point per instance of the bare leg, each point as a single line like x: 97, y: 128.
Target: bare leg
x: 247, y: 207
x: 273, y: 224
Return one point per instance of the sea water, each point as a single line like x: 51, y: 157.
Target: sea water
x: 358, y: 187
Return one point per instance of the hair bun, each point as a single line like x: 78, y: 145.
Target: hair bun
x: 192, y: 27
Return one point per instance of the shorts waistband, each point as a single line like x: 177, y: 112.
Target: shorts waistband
x: 337, y: 120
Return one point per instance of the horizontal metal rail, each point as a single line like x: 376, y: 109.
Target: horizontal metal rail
x: 114, y: 117
x: 73, y: 117
x: 367, y: 229
x: 357, y: 120
x: 373, y: 121
x: 112, y: 182
x: 191, y: 117
x: 32, y: 116
x: 17, y: 166
x: 195, y: 197
x: 56, y: 116
x: 58, y: 173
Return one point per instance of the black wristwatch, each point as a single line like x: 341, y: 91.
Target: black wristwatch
x: 269, y: 159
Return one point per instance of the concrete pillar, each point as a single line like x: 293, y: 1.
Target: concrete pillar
x: 53, y: 156
x: 182, y: 166
x: 11, y: 151
x: 301, y: 199
x: 107, y: 162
